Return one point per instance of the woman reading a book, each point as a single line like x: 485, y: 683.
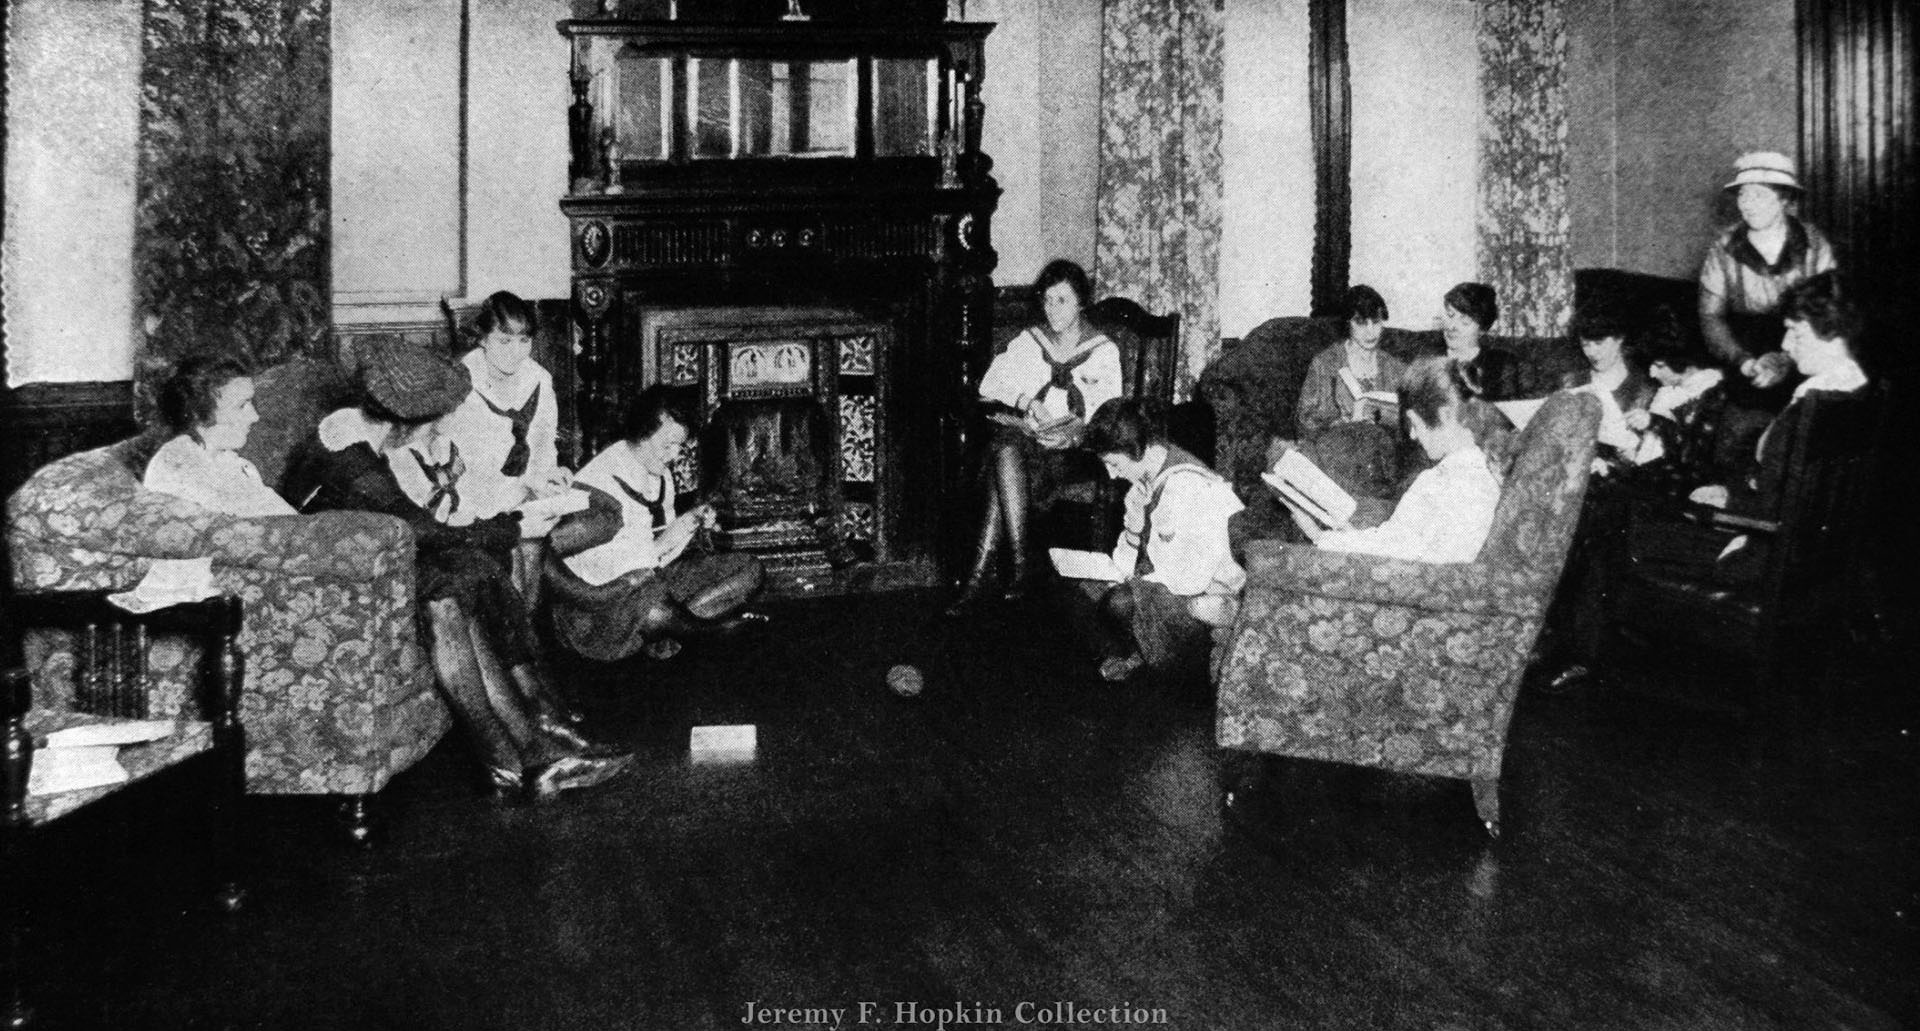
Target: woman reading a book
x: 1172, y: 554
x: 1447, y: 512
x: 1039, y: 392
x: 387, y: 454
x: 648, y: 586
x: 1352, y: 381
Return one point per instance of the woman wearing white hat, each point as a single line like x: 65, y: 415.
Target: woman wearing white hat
x: 1754, y: 263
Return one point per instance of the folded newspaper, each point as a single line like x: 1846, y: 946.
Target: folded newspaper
x: 169, y: 581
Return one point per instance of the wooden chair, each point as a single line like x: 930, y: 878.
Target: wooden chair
x: 1087, y: 514
x: 1810, y: 588
x: 113, y: 662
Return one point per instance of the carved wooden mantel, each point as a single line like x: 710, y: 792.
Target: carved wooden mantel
x: 895, y: 225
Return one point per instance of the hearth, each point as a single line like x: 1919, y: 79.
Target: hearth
x: 797, y: 451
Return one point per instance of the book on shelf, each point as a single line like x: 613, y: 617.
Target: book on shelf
x: 1307, y: 487
x: 1085, y: 565
x: 1381, y: 406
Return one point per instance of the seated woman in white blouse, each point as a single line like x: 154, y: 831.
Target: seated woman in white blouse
x: 1039, y: 392
x: 208, y: 404
x: 1446, y: 514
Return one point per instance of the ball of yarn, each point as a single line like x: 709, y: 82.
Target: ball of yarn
x: 906, y: 680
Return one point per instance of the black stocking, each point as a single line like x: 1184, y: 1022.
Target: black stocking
x: 1010, y: 473
x: 462, y: 683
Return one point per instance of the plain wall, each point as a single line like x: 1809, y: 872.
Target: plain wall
x: 1662, y: 96
x: 1416, y: 151
x: 73, y: 119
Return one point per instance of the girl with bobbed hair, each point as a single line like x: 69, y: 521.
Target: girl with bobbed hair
x: 508, y: 425
x: 1467, y: 311
x: 1173, y: 553
x: 1328, y: 398
x: 1039, y: 392
x: 206, y: 403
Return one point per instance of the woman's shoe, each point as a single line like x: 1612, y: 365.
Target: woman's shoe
x: 563, y: 734
x: 544, y: 783
x: 506, y: 784
x: 1120, y: 667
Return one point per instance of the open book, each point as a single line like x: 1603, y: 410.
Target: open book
x: 1085, y: 565
x: 1305, y: 486
x: 1381, y: 406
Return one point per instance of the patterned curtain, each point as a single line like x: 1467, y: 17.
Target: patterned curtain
x: 1523, y: 248
x: 1158, y: 232
x: 231, y: 232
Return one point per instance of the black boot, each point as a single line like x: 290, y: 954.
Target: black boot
x: 1012, y: 470
x: 986, y: 549
x: 553, y: 720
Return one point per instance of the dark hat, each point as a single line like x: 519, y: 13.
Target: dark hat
x: 411, y: 382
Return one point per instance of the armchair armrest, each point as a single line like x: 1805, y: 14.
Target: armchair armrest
x: 1344, y: 576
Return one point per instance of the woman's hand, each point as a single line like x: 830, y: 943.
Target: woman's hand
x: 537, y: 524
x: 678, y: 534
x: 1713, y: 495
x: 552, y: 482
x: 1062, y: 433
x: 1768, y: 369
x: 1638, y: 420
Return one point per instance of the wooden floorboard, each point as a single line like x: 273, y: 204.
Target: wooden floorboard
x: 1022, y: 832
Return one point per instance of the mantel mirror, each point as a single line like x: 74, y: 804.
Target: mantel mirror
x: 648, y: 97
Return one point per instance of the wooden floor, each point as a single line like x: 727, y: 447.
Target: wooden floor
x: 1017, y: 838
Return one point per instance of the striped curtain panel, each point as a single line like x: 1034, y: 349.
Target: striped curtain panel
x: 1523, y: 221
x: 1157, y: 238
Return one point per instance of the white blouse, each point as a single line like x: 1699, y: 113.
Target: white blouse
x: 1444, y: 516
x: 1021, y: 374
x: 220, y: 481
x: 1187, y: 541
x: 632, y: 548
x: 486, y: 438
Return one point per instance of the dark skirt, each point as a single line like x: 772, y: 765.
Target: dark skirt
x: 483, y: 585
x: 1049, y: 471
x: 616, y: 627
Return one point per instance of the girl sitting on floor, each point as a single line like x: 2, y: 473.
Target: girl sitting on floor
x: 1172, y: 553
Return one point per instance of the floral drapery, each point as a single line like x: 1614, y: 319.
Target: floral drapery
x: 1523, y: 222
x: 1157, y: 239
x: 231, y: 231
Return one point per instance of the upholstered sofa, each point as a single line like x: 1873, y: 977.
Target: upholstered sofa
x: 1253, y: 387
x: 339, y: 694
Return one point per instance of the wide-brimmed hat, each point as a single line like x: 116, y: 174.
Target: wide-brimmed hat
x: 411, y: 382
x: 1766, y: 167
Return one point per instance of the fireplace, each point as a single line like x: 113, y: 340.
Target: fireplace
x: 794, y: 219
x: 797, y: 451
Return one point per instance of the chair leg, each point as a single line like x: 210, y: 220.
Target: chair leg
x: 361, y: 819
x: 230, y: 740
x: 1486, y: 801
x: 17, y: 1014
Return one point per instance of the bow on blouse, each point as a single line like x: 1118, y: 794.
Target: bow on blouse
x: 443, y: 478
x: 519, y: 420
x: 656, y: 506
x: 1062, y: 379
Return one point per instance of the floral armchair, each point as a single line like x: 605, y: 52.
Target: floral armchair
x: 339, y: 696
x: 1404, y: 665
